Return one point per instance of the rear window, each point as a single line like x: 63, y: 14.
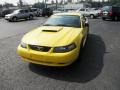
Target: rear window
x: 107, y: 8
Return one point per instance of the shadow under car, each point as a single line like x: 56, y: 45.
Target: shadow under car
x: 88, y: 66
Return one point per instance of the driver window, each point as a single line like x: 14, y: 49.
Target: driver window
x: 26, y: 11
x: 21, y: 11
x: 82, y: 9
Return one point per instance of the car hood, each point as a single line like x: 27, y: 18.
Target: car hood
x: 51, y: 36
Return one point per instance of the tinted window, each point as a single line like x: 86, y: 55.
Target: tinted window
x: 26, y: 11
x: 107, y: 8
x: 21, y: 11
x: 116, y: 9
x: 33, y: 10
x: 64, y: 20
x: 82, y: 9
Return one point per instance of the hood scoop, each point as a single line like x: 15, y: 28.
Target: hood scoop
x: 52, y: 29
x: 49, y: 30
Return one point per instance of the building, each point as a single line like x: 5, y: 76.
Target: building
x: 69, y: 1
x: 74, y: 6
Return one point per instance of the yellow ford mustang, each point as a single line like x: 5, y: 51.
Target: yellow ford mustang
x: 57, y: 42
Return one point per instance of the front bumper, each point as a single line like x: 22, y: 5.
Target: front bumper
x: 47, y: 58
x: 107, y: 17
x: 7, y: 18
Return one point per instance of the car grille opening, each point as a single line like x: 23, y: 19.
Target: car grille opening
x: 39, y: 48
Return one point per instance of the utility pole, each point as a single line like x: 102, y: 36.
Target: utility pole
x: 103, y: 1
x: 45, y: 4
x: 63, y: 5
x: 21, y: 3
x: 56, y: 4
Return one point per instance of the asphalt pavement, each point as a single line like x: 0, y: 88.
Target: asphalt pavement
x: 98, y: 67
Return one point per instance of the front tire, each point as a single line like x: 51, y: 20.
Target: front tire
x: 14, y: 19
x: 103, y: 18
x: 43, y: 15
x: 115, y: 18
x: 30, y: 17
x: 92, y: 16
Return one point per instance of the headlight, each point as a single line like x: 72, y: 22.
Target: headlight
x: 64, y: 48
x: 7, y: 16
x: 23, y: 45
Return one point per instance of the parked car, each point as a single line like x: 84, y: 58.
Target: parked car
x: 5, y: 12
x: 0, y: 13
x: 58, y: 42
x: 19, y: 14
x: 89, y: 12
x: 60, y: 10
x: 57, y: 11
x: 111, y: 12
x: 47, y: 12
x: 37, y: 12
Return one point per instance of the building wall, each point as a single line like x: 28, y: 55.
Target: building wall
x: 69, y: 1
x: 76, y: 6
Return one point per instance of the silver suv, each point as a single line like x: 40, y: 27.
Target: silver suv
x: 89, y: 12
x: 19, y: 14
x: 37, y: 12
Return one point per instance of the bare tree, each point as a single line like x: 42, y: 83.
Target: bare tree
x: 56, y: 3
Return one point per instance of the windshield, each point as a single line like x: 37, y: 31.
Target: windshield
x: 16, y: 11
x: 64, y: 20
x: 106, y: 8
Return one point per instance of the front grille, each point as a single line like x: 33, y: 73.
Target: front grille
x: 39, y: 48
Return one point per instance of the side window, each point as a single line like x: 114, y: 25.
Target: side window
x: 82, y: 9
x: 116, y: 9
x: 21, y: 11
x: 26, y: 11
x: 119, y: 9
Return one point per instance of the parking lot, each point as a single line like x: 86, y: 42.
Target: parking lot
x: 98, y: 67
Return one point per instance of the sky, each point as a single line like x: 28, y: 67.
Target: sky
x: 26, y: 1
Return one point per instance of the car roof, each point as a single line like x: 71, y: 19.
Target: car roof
x: 69, y: 13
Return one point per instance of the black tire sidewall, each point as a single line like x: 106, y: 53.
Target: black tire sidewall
x: 30, y: 17
x: 14, y: 20
x: 92, y: 16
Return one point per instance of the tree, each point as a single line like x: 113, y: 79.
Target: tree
x: 39, y: 5
x: 1, y: 6
x: 52, y: 1
x: 56, y: 4
x: 114, y: 2
x: 7, y: 5
x: 20, y: 3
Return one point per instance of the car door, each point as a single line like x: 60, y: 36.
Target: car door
x: 87, y: 12
x: 20, y: 14
x: 119, y: 12
x: 26, y: 13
